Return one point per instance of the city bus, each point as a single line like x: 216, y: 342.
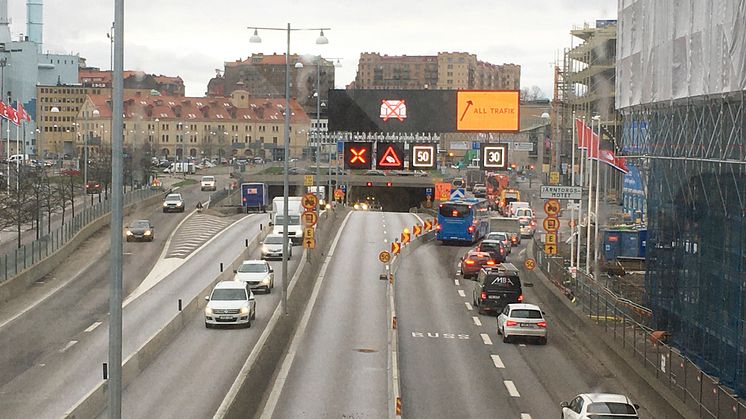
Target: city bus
x: 463, y: 220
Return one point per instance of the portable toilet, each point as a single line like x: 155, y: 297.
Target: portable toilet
x: 629, y: 243
x: 612, y: 244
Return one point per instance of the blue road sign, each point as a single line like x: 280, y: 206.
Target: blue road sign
x: 428, y: 191
x: 343, y: 187
x: 340, y: 146
x: 475, y: 145
x: 458, y: 193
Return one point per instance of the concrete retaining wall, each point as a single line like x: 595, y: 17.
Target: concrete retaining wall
x: 96, y: 400
x: 17, y: 285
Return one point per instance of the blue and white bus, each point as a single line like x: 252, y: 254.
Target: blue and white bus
x: 463, y: 220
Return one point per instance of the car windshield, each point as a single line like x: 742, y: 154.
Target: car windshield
x: 173, y: 197
x: 252, y: 267
x: 525, y: 314
x: 488, y: 247
x: 140, y: 224
x: 228, y: 294
x: 292, y: 219
x: 611, y: 407
x: 208, y: 179
x: 273, y: 240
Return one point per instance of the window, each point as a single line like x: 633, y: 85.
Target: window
x: 454, y: 210
x: 526, y: 314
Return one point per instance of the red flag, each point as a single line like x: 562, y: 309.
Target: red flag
x: 620, y: 163
x: 22, y: 113
x: 592, y: 143
x: 3, y: 110
x: 12, y: 115
x: 580, y: 130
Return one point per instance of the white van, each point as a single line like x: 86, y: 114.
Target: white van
x: 18, y: 158
x: 295, y: 210
x: 514, y: 205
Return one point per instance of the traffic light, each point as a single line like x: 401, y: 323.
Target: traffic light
x: 389, y: 184
x: 368, y: 183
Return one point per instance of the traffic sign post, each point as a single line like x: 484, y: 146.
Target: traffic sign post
x: 552, y: 207
x: 395, y: 247
x: 561, y: 192
x: 494, y: 156
x: 384, y: 257
x: 308, y: 233
x: 310, y: 201
x: 358, y: 155
x: 458, y: 193
x: 554, y: 178
x: 417, y: 230
x: 551, y: 224
x: 422, y: 156
x: 309, y: 243
x: 550, y: 249
x: 389, y: 156
x: 529, y: 264
x: 428, y: 225
x: 310, y: 218
x: 308, y: 180
x: 405, y: 237
x: 550, y: 238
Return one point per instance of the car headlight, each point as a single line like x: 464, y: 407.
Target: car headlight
x: 208, y: 311
x: 165, y: 204
x: 129, y: 233
x: 245, y: 310
x: 357, y: 206
x: 265, y: 281
x: 147, y: 232
x: 265, y: 249
x: 364, y: 206
x: 178, y: 204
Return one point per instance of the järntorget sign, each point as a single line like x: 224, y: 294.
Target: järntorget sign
x: 561, y: 192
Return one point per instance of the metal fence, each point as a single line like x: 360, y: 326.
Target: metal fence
x: 24, y: 257
x: 627, y: 325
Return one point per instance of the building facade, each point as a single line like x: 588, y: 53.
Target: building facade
x: 134, y: 80
x: 447, y: 70
x: 264, y: 76
x: 177, y: 127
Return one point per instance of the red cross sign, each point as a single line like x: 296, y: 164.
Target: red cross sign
x: 358, y: 155
x: 393, y: 109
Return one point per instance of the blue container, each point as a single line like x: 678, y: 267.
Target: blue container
x: 612, y: 244
x: 630, y: 244
x: 643, y: 240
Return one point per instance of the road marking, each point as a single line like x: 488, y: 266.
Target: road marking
x: 522, y: 344
x: 127, y: 253
x: 69, y: 345
x: 477, y: 321
x: 436, y: 335
x: 91, y: 327
x: 486, y: 338
x: 385, y: 240
x: 456, y: 281
x: 468, y: 306
x: 497, y: 361
x: 461, y: 293
x: 525, y: 416
x: 511, y: 388
x: 521, y: 253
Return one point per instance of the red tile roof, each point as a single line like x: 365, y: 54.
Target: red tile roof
x: 200, y: 109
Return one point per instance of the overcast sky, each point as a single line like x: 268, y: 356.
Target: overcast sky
x: 193, y: 38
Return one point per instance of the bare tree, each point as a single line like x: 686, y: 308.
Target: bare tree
x: 532, y: 93
x: 16, y: 206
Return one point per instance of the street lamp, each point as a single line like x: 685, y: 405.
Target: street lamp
x: 321, y: 40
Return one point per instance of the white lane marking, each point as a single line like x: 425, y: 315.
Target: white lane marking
x: 456, y: 281
x: 486, y: 338
x: 525, y: 416
x: 127, y: 254
x: 522, y: 344
x: 91, y: 327
x: 511, y: 388
x: 497, y: 361
x: 468, y: 306
x: 385, y: 240
x: 477, y: 321
x: 69, y: 345
x: 384, y: 231
x: 461, y: 293
x: 521, y: 253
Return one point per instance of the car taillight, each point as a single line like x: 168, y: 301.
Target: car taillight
x: 469, y: 262
x: 490, y: 262
x: 471, y: 229
x: 437, y: 227
x: 510, y: 323
x: 483, y: 296
x: 520, y: 298
x: 542, y: 324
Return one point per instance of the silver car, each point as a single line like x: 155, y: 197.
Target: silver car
x: 257, y: 274
x: 231, y: 302
x: 525, y: 320
x: 272, y: 247
x: 173, y: 203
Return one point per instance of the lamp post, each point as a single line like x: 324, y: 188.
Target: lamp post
x: 321, y: 40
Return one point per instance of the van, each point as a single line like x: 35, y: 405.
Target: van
x: 18, y: 158
x: 497, y: 287
x: 513, y: 206
x: 295, y: 210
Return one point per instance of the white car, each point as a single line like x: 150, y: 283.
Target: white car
x: 173, y: 202
x: 272, y: 247
x: 231, y: 302
x: 257, y: 274
x: 525, y: 320
x: 599, y: 405
x: 208, y: 183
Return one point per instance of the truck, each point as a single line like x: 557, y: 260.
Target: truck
x: 254, y: 196
x: 319, y: 191
x: 495, y: 183
x: 506, y: 197
x: 295, y: 210
x: 512, y: 226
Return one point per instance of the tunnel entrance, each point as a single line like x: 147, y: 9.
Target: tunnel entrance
x: 391, y: 199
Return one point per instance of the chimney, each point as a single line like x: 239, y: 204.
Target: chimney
x: 4, y: 26
x: 34, y: 22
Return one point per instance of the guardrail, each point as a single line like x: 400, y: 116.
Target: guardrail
x: 26, y: 256
x: 628, y: 325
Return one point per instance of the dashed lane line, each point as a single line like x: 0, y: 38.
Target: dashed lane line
x: 497, y: 361
x: 468, y: 306
x: 91, y: 327
x: 525, y: 416
x: 511, y: 388
x: 477, y: 321
x: 522, y: 344
x: 69, y: 345
x: 456, y: 282
x: 461, y: 293
x: 486, y: 338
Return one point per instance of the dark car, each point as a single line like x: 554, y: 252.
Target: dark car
x: 497, y: 287
x: 495, y: 248
x: 140, y: 230
x: 93, y: 187
x: 473, y: 261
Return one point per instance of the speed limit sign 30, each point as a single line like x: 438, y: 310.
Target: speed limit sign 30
x: 494, y: 156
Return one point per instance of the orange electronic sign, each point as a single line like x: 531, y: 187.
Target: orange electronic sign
x: 443, y: 191
x: 488, y: 110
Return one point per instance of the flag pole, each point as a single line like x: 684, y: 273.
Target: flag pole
x: 590, y: 201
x: 572, y: 182
x: 580, y: 201
x: 598, y: 191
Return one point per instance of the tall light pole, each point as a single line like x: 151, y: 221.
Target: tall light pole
x: 321, y: 40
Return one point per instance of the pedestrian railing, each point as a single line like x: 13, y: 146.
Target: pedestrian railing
x: 628, y: 325
x: 19, y: 259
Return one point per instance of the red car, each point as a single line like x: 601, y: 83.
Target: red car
x: 473, y: 261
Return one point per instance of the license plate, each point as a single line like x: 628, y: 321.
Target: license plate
x: 527, y: 325
x: 494, y: 297
x: 226, y: 317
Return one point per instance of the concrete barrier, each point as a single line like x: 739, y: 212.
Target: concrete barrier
x: 249, y: 392
x: 18, y: 284
x: 94, y: 403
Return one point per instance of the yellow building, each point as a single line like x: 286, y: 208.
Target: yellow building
x: 177, y: 126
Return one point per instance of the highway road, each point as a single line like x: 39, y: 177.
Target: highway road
x: 453, y: 364
x: 196, y: 370
x: 340, y: 366
x: 55, y: 349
